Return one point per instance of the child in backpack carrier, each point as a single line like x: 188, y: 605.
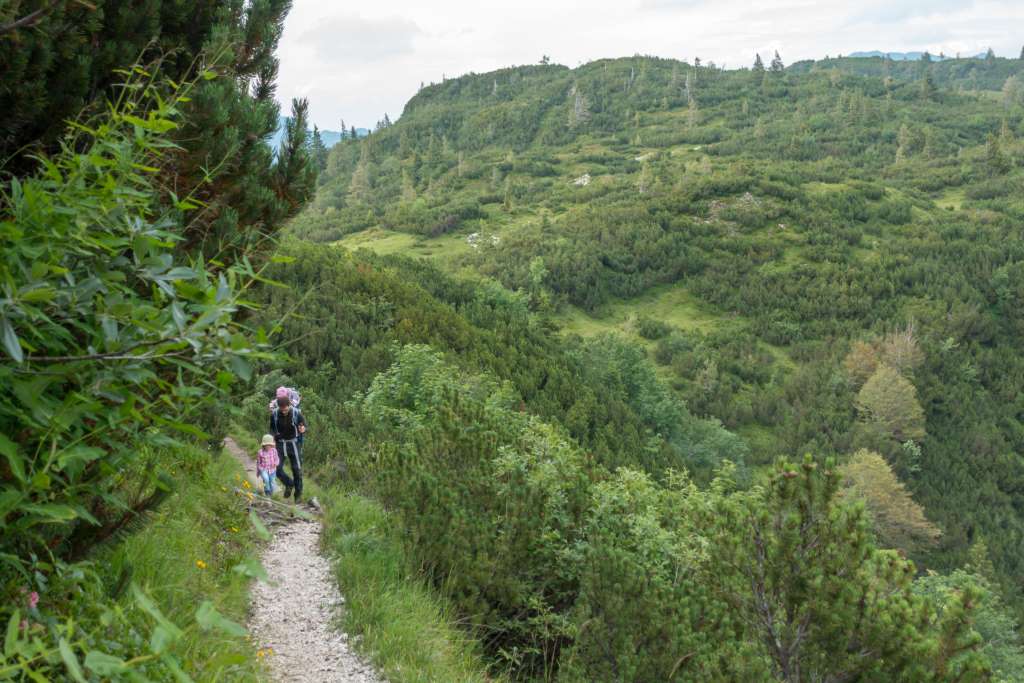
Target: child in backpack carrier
x: 266, y: 463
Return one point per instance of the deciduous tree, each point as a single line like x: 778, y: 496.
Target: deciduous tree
x: 899, y: 521
x: 888, y: 402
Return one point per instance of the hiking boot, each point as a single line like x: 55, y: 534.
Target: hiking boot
x: 287, y: 492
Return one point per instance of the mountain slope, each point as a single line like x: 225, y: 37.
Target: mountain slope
x: 748, y: 229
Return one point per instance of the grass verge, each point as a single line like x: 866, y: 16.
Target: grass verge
x: 403, y: 625
x: 187, y: 554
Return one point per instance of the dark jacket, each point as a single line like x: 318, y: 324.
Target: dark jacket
x: 286, y: 430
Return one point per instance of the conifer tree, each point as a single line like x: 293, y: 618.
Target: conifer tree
x: 296, y: 169
x: 318, y: 151
x: 1013, y: 91
x: 758, y: 64
x: 990, y: 56
x: 360, y: 185
x: 1005, y: 134
x: 693, y: 114
x: 801, y: 574
x: 777, y: 65
x: 996, y: 159
x: 927, y: 85
x: 579, y: 114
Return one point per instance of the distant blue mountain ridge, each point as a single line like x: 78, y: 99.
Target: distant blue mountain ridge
x: 330, y: 137
x: 907, y: 56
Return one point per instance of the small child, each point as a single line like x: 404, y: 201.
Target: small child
x: 266, y: 463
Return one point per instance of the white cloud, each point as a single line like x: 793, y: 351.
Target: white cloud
x: 360, y: 61
x: 348, y: 39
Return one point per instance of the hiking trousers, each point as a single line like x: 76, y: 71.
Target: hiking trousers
x: 293, y: 452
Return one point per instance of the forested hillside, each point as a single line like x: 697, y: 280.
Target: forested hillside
x: 734, y: 265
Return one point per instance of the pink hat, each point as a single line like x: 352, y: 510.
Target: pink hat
x: 282, y: 392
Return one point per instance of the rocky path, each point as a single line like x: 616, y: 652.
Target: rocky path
x: 292, y: 617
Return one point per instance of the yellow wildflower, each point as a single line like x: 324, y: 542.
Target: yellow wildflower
x: 245, y: 484
x: 200, y: 564
x: 234, y: 530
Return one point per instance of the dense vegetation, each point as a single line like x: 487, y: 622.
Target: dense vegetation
x: 821, y: 259
x: 135, y: 209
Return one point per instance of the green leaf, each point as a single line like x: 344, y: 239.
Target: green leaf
x: 208, y: 618
x: 11, y: 641
x: 282, y: 259
x: 225, y: 660
x: 253, y: 569
x: 41, y: 481
x: 53, y: 511
x: 9, y: 500
x: 10, y: 340
x: 257, y: 524
x: 152, y: 610
x: 102, y: 664
x: 241, y: 367
x: 160, y: 639
x: 38, y: 294
x: 78, y: 455
x: 14, y: 459
x: 172, y: 664
x: 71, y: 661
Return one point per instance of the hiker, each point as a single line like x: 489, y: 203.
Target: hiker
x: 287, y: 425
x: 293, y: 396
x: 267, y: 463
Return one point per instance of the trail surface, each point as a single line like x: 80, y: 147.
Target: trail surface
x: 293, y: 615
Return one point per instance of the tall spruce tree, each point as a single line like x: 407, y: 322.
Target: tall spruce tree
x: 777, y: 66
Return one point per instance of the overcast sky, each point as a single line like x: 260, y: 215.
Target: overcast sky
x: 358, y: 61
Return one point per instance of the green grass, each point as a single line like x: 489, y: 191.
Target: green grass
x: 405, y: 627
x: 203, y: 521
x: 378, y: 240
x: 952, y: 198
x: 672, y: 304
x: 384, y: 242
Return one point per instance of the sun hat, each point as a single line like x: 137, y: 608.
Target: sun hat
x: 268, y: 440
x: 282, y: 392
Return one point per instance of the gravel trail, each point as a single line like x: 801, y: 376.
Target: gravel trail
x: 294, y: 614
